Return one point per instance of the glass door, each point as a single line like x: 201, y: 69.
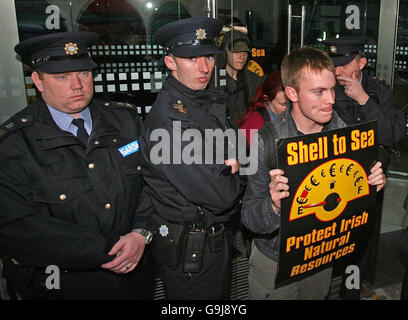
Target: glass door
x: 321, y: 20
x: 278, y: 26
x: 129, y: 60
x: 400, y: 165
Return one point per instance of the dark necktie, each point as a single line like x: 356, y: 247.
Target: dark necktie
x: 81, y: 133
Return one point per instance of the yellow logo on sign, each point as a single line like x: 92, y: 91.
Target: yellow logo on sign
x: 255, y: 68
x: 326, y: 191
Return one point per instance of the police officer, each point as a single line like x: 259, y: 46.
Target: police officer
x: 193, y: 195
x: 70, y: 183
x: 361, y: 98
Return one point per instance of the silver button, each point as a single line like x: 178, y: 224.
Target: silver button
x: 107, y: 206
x: 63, y: 196
x: 115, y: 140
x: 91, y: 166
x: 24, y: 120
x: 96, y: 142
x: 139, y: 168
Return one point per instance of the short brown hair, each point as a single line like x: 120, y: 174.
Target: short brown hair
x: 305, y: 57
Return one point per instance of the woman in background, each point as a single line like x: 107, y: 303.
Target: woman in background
x: 268, y: 102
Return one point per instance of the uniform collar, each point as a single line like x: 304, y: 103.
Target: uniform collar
x: 53, y: 136
x: 64, y: 120
x: 205, y: 96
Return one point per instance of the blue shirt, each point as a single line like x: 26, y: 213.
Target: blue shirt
x: 64, y: 120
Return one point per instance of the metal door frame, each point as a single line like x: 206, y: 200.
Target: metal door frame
x: 387, y: 40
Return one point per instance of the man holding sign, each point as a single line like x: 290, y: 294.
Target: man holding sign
x: 308, y: 76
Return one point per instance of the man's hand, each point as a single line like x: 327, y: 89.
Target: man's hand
x: 377, y: 176
x: 234, y: 164
x: 354, y: 89
x: 278, y: 188
x: 128, y: 250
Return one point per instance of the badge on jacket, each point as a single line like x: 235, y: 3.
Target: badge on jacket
x: 180, y: 107
x: 129, y: 148
x: 164, y: 230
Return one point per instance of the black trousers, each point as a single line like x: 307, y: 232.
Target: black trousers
x: 211, y: 283
x: 96, y: 284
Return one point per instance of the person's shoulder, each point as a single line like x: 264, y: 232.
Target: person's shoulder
x: 21, y: 119
x: 117, y: 109
x: 255, y: 121
x: 379, y: 89
x: 268, y: 128
x: 115, y: 105
x: 377, y: 82
x: 254, y: 75
x: 164, y: 101
x: 376, y: 79
x: 336, y: 121
x: 277, y: 126
x: 168, y: 107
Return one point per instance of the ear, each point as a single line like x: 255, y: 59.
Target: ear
x: 37, y: 81
x: 362, y: 63
x: 291, y: 93
x: 170, y: 63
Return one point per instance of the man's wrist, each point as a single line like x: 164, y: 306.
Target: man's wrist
x: 275, y: 209
x: 148, y: 235
x: 363, y: 100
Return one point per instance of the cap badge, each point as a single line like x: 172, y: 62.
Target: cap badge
x: 71, y: 48
x: 201, y: 34
x: 180, y: 107
x: 333, y: 49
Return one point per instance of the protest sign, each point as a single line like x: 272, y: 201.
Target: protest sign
x: 328, y: 215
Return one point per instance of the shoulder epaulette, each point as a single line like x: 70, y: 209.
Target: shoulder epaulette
x: 117, y: 104
x: 379, y: 79
x: 15, y: 122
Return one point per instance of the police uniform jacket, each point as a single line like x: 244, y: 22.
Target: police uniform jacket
x: 380, y: 106
x: 62, y: 203
x: 178, y: 189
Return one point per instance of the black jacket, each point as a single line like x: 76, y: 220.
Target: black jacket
x: 380, y: 106
x: 61, y: 203
x: 175, y: 187
x: 240, y: 92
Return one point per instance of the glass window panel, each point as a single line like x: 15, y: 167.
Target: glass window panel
x: 126, y: 29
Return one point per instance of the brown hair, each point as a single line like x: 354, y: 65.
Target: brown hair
x: 294, y: 63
